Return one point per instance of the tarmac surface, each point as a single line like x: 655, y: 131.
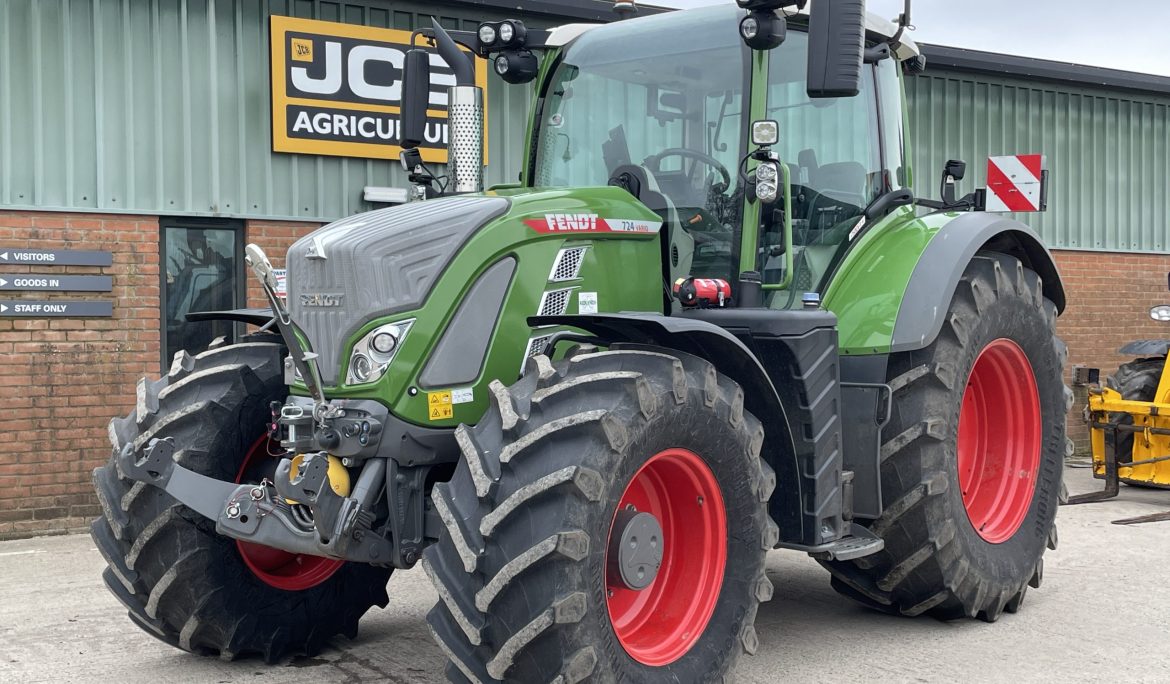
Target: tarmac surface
x: 1103, y: 614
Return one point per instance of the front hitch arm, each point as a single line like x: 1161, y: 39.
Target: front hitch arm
x: 260, y: 513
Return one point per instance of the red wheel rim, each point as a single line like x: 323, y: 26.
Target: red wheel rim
x: 660, y: 623
x: 276, y: 568
x: 999, y: 441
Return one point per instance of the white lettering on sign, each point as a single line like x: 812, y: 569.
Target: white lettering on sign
x: 28, y: 308
x: 35, y: 282
x: 34, y: 256
x: 337, y: 89
x: 55, y: 308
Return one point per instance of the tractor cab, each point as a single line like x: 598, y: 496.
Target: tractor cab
x: 664, y: 108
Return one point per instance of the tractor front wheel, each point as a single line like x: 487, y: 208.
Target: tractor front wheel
x: 971, y: 459
x: 608, y: 519
x: 181, y: 581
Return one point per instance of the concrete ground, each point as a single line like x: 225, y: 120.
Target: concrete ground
x: 1105, y: 586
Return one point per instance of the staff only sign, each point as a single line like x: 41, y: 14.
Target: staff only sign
x: 337, y: 90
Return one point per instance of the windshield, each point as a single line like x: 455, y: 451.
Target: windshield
x: 656, y: 105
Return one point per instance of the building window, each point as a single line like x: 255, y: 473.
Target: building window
x: 202, y: 270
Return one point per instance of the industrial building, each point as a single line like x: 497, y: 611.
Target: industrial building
x: 144, y: 143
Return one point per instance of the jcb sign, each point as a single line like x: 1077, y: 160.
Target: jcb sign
x: 337, y: 90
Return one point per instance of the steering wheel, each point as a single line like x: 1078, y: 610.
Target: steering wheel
x: 653, y: 162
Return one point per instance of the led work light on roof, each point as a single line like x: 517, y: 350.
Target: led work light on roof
x: 762, y: 30
x: 486, y: 34
x: 516, y: 66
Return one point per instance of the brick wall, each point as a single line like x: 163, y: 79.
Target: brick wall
x: 1109, y: 299
x: 62, y: 379
x: 274, y: 237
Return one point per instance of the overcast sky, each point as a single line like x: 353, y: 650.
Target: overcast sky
x: 1123, y: 34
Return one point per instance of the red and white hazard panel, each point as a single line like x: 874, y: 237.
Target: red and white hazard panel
x: 1016, y: 182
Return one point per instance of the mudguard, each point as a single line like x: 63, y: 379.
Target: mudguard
x: 795, y: 504
x: 937, y: 273
x: 1146, y: 348
x: 259, y: 317
x: 893, y: 286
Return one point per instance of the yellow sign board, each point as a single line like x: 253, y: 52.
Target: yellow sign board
x: 337, y: 90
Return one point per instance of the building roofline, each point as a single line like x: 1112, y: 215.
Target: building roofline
x: 583, y: 10
x: 962, y: 59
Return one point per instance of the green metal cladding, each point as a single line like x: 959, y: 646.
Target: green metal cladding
x: 162, y: 107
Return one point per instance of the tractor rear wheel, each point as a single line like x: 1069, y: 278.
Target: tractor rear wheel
x: 608, y: 519
x: 972, y: 457
x: 181, y: 581
x: 1136, y: 381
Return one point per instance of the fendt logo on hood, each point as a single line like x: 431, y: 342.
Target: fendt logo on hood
x: 322, y: 299
x: 590, y: 223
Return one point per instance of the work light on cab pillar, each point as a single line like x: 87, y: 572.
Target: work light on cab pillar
x: 591, y: 401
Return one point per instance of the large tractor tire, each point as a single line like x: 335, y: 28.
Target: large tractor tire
x: 608, y: 519
x: 972, y: 458
x: 182, y: 582
x: 1136, y: 381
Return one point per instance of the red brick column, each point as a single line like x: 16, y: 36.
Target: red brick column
x: 61, y: 380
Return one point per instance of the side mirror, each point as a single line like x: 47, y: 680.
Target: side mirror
x: 416, y: 90
x: 953, y: 172
x: 836, y: 44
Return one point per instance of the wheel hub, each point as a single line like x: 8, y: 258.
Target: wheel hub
x: 999, y: 441
x: 635, y: 549
x: 665, y: 557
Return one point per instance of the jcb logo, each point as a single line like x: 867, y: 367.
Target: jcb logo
x: 337, y: 90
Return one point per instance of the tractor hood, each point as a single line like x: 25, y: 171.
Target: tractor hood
x: 352, y: 271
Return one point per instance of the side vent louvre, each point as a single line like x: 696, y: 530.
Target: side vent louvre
x: 555, y: 303
x: 567, y: 265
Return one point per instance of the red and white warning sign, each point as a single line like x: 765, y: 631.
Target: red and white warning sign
x: 1016, y: 182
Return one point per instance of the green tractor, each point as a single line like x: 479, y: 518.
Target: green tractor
x: 709, y: 321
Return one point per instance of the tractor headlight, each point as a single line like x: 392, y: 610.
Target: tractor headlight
x: 373, y: 353
x: 1160, y: 312
x: 766, y: 181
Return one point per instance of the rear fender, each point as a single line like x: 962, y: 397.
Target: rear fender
x: 893, y: 288
x: 736, y: 361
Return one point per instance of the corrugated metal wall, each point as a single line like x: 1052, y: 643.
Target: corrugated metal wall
x: 1108, y: 152
x: 162, y: 107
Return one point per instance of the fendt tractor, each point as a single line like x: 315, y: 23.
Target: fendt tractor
x: 710, y: 320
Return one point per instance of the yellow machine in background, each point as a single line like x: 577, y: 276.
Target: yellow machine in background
x: 1129, y: 422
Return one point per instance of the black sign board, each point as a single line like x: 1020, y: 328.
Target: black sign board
x: 55, y: 283
x: 29, y: 308
x: 54, y: 257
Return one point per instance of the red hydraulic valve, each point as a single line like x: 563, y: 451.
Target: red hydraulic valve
x: 702, y: 292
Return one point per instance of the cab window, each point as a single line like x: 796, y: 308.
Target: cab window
x: 832, y: 149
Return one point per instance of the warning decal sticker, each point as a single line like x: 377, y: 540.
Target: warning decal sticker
x: 439, y: 405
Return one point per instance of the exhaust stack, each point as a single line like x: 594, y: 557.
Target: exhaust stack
x: 465, y: 126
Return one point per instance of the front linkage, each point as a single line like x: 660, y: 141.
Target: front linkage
x: 308, y: 506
